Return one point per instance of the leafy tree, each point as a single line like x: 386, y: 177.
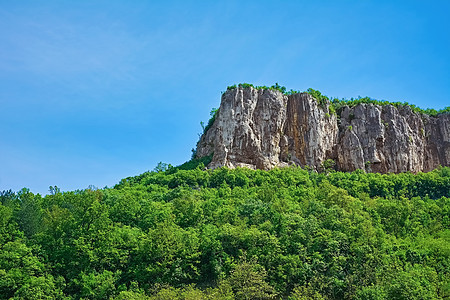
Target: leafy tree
x: 247, y: 281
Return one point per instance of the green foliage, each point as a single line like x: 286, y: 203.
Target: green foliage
x: 275, y: 87
x: 213, y: 115
x: 328, y: 165
x: 98, y: 285
x: 339, y: 103
x: 190, y: 292
x: 247, y: 280
x: 189, y: 233
x: 161, y: 167
x: 305, y: 293
x: 23, y: 275
x: 321, y: 99
x: 194, y: 163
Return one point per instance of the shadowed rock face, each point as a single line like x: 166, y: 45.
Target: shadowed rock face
x: 262, y: 129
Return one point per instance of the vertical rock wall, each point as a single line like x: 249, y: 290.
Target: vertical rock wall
x: 310, y: 131
x: 263, y: 129
x: 247, y: 129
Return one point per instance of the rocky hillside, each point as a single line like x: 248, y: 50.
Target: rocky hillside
x: 265, y: 128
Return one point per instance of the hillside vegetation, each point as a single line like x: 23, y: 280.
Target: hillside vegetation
x: 190, y: 233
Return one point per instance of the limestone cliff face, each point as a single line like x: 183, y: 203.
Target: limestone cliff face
x: 263, y: 129
x: 310, y: 132
x: 247, y: 130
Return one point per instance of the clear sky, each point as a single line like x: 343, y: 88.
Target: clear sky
x: 95, y: 91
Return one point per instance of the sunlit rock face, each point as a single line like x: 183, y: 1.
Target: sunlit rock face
x: 310, y: 131
x: 247, y: 130
x: 262, y: 129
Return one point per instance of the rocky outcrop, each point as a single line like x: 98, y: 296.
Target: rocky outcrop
x: 262, y: 129
x: 310, y: 132
x: 247, y: 130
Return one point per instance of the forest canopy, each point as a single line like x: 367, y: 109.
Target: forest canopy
x: 190, y: 233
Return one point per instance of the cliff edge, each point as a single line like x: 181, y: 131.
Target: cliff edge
x: 264, y: 128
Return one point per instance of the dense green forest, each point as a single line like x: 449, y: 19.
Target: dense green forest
x: 190, y: 233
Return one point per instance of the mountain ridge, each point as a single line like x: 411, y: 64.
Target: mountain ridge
x: 262, y: 128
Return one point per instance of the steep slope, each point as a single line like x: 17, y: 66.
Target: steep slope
x: 264, y: 128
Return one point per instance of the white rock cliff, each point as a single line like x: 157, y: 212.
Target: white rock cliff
x: 262, y: 129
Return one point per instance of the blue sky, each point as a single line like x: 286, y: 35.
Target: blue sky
x: 94, y: 91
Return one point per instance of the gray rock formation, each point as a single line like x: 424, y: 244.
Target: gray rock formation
x: 247, y: 130
x: 262, y: 129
